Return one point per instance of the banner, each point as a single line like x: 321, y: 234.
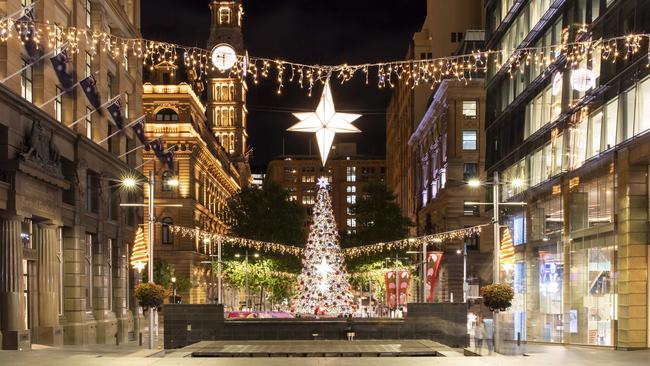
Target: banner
x: 397, y: 288
x: 432, y: 267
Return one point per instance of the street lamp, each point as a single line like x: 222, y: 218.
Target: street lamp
x: 130, y: 183
x: 174, y: 285
x: 256, y: 255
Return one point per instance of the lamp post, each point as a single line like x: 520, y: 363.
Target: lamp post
x: 247, y: 293
x: 397, y: 258
x: 130, y: 183
x: 174, y: 286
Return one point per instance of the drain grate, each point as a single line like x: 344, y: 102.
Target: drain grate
x: 207, y: 354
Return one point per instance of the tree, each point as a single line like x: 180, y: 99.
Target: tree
x: 266, y: 214
x: 497, y: 297
x: 266, y: 276
x: 323, y: 285
x: 379, y: 218
x: 163, y: 272
x: 150, y: 295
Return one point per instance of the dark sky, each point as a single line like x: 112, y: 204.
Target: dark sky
x: 305, y: 31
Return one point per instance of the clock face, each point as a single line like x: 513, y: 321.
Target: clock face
x: 224, y: 56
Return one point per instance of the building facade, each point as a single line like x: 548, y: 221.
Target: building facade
x: 347, y: 173
x: 64, y: 275
x: 441, y: 33
x: 580, y: 271
x: 449, y: 149
x: 203, y: 179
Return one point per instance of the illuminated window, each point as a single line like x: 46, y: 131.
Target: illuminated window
x: 351, y: 174
x: 109, y: 86
x: 58, y: 105
x: 351, y: 189
x: 89, y: 64
x: 224, y: 16
x: 470, y: 171
x: 88, y: 14
x: 352, y: 223
x: 351, y: 199
x: 26, y: 81
x: 126, y: 105
x: 308, y: 200
x: 89, y: 123
x: 308, y: 179
x: 469, y: 109
x: 469, y: 140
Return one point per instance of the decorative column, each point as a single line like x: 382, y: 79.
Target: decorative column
x: 632, y: 259
x: 47, y: 245
x: 12, y: 316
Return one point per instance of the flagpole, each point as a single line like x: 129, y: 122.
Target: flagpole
x: 121, y: 129
x: 26, y: 66
x: 93, y: 111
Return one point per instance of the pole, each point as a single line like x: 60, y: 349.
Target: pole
x: 497, y: 240
x: 497, y: 234
x: 423, y: 272
x: 396, y: 283
x: 212, y: 272
x: 219, y: 271
x: 246, y: 273
x: 151, y: 243
x: 464, y: 271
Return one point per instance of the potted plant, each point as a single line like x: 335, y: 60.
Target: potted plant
x: 497, y: 297
x: 150, y: 295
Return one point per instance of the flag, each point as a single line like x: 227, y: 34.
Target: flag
x: 432, y: 266
x: 64, y: 69
x: 25, y: 26
x: 169, y: 159
x: 89, y: 86
x: 115, y: 110
x: 157, y: 148
x: 138, y: 129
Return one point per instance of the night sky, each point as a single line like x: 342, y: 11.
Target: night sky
x: 305, y: 31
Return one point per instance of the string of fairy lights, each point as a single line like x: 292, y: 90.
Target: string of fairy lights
x: 403, y: 244
x: 387, y: 74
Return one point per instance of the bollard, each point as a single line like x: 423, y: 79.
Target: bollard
x: 518, y: 339
x: 140, y: 341
x: 117, y: 340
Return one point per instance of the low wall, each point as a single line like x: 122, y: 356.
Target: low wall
x: 187, y: 324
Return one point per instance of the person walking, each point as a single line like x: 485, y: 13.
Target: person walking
x: 489, y: 335
x: 479, y: 334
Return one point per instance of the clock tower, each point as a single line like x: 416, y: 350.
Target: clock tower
x: 226, y: 106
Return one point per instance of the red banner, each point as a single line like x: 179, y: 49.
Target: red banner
x: 432, y: 265
x: 401, y: 284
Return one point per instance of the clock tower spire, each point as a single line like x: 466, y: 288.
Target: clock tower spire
x: 226, y: 106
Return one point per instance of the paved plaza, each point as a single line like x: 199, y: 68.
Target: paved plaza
x: 132, y: 355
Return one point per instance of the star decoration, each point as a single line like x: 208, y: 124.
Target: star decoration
x: 324, y: 268
x: 325, y: 122
x: 322, y: 182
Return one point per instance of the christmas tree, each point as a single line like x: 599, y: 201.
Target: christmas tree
x: 323, y: 285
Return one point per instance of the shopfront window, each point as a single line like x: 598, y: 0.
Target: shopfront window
x: 547, y: 315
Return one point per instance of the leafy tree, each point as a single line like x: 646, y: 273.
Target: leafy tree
x: 379, y: 218
x: 265, y: 276
x: 267, y: 214
x: 150, y: 295
x: 163, y: 272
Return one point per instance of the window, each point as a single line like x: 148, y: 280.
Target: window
x: 89, y: 64
x: 109, y: 86
x: 26, y: 81
x: 470, y: 171
x: 352, y: 223
x: 351, y: 174
x: 167, y: 114
x: 308, y: 199
x: 166, y: 177
x: 58, y: 105
x: 469, y: 140
x: 351, y: 189
x: 469, y: 109
x: 308, y: 179
x: 109, y: 261
x: 126, y: 105
x: 519, y: 229
x: 59, y: 258
x: 166, y: 234
x: 351, y: 199
x: 453, y: 37
x: 92, y: 192
x: 470, y: 210
x: 293, y: 198
x: 88, y: 14
x: 224, y: 16
x: 88, y: 264
x: 89, y: 123
x: 114, y: 203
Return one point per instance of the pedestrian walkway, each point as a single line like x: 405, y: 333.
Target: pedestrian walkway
x: 132, y: 355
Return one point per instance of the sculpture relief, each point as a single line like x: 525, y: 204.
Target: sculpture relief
x: 41, y: 150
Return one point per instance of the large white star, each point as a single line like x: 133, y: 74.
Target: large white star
x: 325, y: 122
x: 322, y: 182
